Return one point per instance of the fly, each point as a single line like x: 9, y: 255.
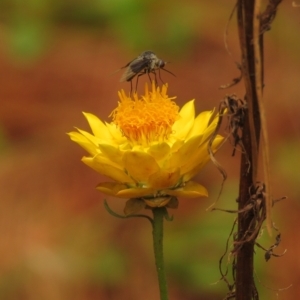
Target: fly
x: 145, y: 63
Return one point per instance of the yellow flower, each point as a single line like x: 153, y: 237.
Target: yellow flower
x: 151, y: 150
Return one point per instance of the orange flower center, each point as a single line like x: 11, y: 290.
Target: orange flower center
x: 146, y: 119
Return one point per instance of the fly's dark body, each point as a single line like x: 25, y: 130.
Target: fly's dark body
x: 145, y: 63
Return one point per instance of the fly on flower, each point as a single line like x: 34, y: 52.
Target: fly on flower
x: 145, y: 63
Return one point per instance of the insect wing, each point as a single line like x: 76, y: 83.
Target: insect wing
x: 139, y: 64
x: 133, y: 68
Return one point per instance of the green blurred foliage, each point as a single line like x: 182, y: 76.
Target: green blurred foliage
x: 26, y: 25
x: 286, y: 155
x: 193, y: 251
x: 29, y: 25
x: 287, y: 39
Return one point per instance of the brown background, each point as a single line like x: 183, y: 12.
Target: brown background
x: 56, y: 239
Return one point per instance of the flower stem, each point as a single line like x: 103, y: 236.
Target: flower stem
x: 158, y: 218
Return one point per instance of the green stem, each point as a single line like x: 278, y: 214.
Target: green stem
x: 158, y: 218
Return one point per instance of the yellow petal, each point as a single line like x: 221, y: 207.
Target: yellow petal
x: 103, y: 166
x: 98, y: 127
x: 184, y: 124
x: 163, y: 179
x: 139, y: 165
x: 100, y: 158
x: 182, y: 155
x: 93, y: 139
x: 111, y: 188
x: 177, y: 145
x: 188, y: 110
x: 135, y: 192
x: 188, y: 149
x: 115, y: 133
x: 192, y: 189
x: 83, y: 142
x: 216, y: 143
x: 200, y: 123
x: 211, y: 128
x: 200, y: 160
x: 112, y: 153
x: 159, y: 150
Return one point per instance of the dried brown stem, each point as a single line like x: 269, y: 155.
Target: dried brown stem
x: 245, y: 286
x: 251, y: 25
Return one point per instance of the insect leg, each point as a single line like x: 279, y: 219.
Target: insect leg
x: 137, y: 78
x: 148, y: 73
x: 160, y: 76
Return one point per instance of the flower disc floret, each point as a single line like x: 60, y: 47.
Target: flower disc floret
x: 148, y: 118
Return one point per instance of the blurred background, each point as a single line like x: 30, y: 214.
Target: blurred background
x: 56, y: 60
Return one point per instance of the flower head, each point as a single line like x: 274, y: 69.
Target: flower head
x: 151, y: 150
